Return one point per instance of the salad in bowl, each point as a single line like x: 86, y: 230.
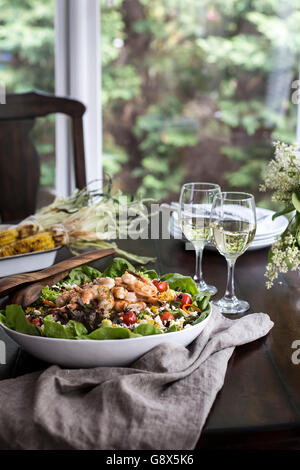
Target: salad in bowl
x: 119, y: 303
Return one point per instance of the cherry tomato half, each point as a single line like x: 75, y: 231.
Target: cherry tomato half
x: 36, y: 321
x: 166, y: 316
x: 162, y: 286
x: 183, y: 299
x: 186, y: 299
x: 129, y: 318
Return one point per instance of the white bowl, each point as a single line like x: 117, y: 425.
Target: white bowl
x: 95, y: 353
x: 27, y: 262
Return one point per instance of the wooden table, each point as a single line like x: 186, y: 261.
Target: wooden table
x: 259, y: 404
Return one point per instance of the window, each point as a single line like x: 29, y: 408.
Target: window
x: 27, y: 63
x: 196, y: 90
x: 191, y: 90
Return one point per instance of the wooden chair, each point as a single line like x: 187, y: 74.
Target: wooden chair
x: 19, y: 161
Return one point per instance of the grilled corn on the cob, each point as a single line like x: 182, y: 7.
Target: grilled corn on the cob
x: 27, y: 228
x: 38, y: 242
x: 8, y: 236
x: 59, y: 235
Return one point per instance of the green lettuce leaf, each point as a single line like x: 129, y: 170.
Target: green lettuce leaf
x: 80, y: 275
x: 54, y: 329
x: 178, y: 312
x: 173, y: 328
x: 181, y: 283
x: 49, y: 294
x: 72, y: 330
x: 202, y: 301
x: 80, y: 329
x: 149, y: 273
x: 118, y: 267
x: 16, y: 320
x: 201, y: 317
x: 146, y: 329
x: 110, y: 332
x: 3, y: 318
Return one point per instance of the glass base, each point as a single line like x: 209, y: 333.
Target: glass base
x: 203, y: 288
x: 232, y: 306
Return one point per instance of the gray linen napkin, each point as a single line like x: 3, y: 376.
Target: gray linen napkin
x: 160, y: 402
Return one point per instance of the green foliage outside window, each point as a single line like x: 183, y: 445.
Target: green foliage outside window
x: 185, y: 83
x: 206, y: 71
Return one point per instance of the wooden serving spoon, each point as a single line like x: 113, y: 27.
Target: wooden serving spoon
x: 29, y: 294
x: 12, y: 282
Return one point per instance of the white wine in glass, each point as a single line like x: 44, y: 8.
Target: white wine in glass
x: 232, y: 237
x: 194, y: 215
x: 233, y: 224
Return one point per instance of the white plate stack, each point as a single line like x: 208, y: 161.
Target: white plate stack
x: 267, y: 231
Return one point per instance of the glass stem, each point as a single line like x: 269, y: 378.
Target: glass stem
x: 229, y: 293
x: 198, y: 278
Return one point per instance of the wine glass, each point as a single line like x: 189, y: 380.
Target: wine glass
x: 233, y: 225
x: 194, y: 216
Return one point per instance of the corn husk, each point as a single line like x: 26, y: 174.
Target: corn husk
x: 87, y: 219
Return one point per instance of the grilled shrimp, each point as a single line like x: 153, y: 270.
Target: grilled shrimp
x: 100, y: 293
x: 118, y: 281
x: 121, y: 305
x: 141, y: 286
x: 130, y: 297
x: 121, y: 293
x: 105, y: 281
x: 70, y: 296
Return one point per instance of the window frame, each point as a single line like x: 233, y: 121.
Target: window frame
x: 78, y: 75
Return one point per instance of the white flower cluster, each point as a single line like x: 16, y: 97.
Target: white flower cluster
x: 285, y: 256
x: 282, y: 174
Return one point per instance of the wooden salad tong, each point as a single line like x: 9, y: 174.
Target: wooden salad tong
x: 27, y: 287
